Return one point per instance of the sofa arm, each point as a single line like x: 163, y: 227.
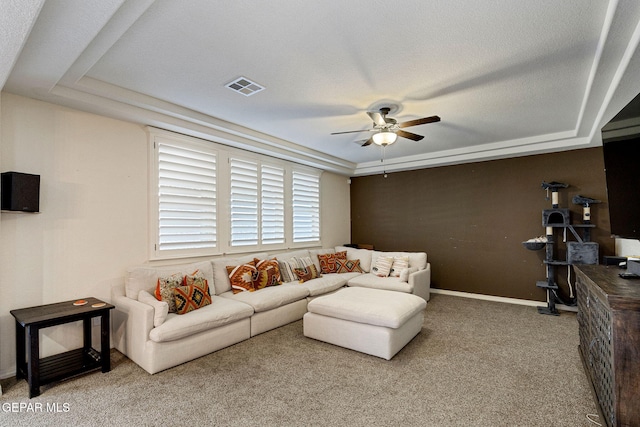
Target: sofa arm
x: 421, y: 282
x: 132, y: 322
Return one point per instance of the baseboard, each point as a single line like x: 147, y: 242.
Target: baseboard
x: 7, y: 373
x: 516, y: 301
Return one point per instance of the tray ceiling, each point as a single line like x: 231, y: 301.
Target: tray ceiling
x: 507, y: 78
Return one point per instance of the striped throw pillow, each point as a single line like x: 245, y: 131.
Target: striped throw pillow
x: 399, y: 264
x: 383, y: 266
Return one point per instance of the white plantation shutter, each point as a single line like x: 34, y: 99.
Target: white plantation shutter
x: 266, y: 203
x: 186, y: 198
x: 272, y: 194
x: 244, y: 202
x: 306, y: 207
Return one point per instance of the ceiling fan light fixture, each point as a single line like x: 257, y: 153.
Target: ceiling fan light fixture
x: 384, y: 138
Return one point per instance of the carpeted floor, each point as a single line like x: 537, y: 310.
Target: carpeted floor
x: 475, y: 363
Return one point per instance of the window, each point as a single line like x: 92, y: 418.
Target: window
x: 272, y: 204
x: 244, y: 202
x: 306, y: 207
x: 256, y: 203
x: 265, y: 203
x: 186, y: 198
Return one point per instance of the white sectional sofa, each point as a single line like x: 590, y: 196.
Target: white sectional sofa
x: 156, y: 340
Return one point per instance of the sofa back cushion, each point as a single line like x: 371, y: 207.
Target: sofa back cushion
x: 286, y: 256
x: 145, y: 277
x: 416, y: 259
x: 364, y: 255
x: 221, y: 282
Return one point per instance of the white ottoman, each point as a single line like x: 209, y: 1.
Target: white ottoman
x: 372, y: 321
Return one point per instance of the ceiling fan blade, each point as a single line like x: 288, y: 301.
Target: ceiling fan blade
x: 377, y: 118
x: 409, y: 135
x: 368, y: 142
x: 351, y: 131
x: 417, y: 122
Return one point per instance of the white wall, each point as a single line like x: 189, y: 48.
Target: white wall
x: 93, y: 221
x: 93, y: 212
x: 335, y: 213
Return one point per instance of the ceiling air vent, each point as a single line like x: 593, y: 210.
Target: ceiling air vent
x: 245, y: 86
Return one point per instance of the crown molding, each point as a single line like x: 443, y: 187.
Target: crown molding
x: 561, y: 141
x: 112, y: 101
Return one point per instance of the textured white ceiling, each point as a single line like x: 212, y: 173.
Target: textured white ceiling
x: 16, y: 19
x: 507, y: 78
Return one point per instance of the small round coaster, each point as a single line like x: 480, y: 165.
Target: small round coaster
x: 98, y: 304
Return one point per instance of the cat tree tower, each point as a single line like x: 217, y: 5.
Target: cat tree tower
x: 580, y: 251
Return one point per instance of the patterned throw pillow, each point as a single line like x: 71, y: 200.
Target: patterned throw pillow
x: 300, y: 263
x: 306, y: 273
x: 328, y: 261
x: 268, y: 273
x: 399, y: 264
x: 349, y: 266
x: 383, y: 266
x: 242, y: 277
x: 191, y: 297
x: 164, y: 289
x: 195, y: 278
x: 306, y: 261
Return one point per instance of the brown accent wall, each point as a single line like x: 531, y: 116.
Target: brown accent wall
x: 470, y: 219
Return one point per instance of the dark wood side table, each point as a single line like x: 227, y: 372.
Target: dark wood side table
x: 38, y: 371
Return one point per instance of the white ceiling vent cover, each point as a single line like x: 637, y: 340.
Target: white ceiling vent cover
x: 245, y: 86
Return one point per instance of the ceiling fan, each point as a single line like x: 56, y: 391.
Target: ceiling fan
x: 388, y: 129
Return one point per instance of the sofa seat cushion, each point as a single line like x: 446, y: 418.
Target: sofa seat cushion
x: 221, y: 311
x: 370, y: 280
x: 370, y: 306
x: 270, y: 297
x: 349, y: 276
x: 327, y: 283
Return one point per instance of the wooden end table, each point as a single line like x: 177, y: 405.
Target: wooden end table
x: 39, y: 371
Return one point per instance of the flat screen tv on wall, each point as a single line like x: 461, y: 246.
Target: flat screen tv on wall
x: 622, y: 170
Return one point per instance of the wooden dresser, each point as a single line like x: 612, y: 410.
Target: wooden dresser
x: 609, y: 328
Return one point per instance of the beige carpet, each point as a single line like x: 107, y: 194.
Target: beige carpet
x: 475, y: 363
